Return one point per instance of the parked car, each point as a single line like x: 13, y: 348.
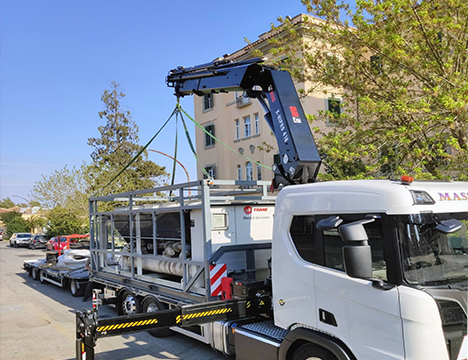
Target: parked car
x: 61, y: 243
x: 1, y: 235
x: 20, y: 239
x: 38, y: 241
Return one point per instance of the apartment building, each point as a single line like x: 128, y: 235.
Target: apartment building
x: 238, y: 122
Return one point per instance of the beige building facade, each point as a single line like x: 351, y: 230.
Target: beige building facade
x: 239, y: 123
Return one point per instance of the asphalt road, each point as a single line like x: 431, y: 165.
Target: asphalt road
x: 37, y: 321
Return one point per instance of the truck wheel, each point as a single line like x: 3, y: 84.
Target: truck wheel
x: 312, y: 352
x: 16, y: 245
x: 74, y: 289
x: 129, y: 303
x: 150, y: 304
x: 42, y: 277
x: 35, y: 273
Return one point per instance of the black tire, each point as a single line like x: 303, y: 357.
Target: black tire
x: 150, y: 304
x: 312, y: 352
x: 128, y: 303
x: 35, y: 273
x: 74, y: 289
x: 42, y: 277
x: 16, y: 245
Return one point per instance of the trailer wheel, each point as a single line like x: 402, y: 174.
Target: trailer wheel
x: 312, y: 352
x: 42, y: 277
x: 129, y: 303
x: 150, y: 304
x: 74, y: 289
x: 35, y: 273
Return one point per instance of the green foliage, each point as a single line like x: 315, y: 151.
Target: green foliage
x: 15, y: 225
x: 34, y: 203
x: 115, y: 148
x: 402, y: 71
x: 36, y: 222
x: 9, y: 216
x: 6, y: 203
x: 65, y: 187
x: 62, y: 221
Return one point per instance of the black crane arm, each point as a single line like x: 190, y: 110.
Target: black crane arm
x: 299, y: 160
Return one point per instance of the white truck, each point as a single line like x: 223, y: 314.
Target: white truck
x: 360, y: 270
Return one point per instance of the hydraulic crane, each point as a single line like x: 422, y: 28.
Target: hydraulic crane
x: 298, y: 160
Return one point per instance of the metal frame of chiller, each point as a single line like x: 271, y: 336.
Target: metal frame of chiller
x: 175, y: 198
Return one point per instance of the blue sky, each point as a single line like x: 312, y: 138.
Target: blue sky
x: 57, y: 58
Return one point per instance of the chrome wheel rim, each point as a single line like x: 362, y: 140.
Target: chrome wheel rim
x: 152, y: 307
x: 129, y: 306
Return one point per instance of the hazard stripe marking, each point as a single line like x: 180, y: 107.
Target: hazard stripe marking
x: 217, y: 272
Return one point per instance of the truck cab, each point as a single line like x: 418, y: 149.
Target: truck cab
x: 413, y: 304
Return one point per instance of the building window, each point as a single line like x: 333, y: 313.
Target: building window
x: 376, y: 64
x: 334, y: 109
x: 248, y: 171
x: 207, y: 102
x: 236, y: 122
x: 209, y: 141
x: 211, y: 171
x: 257, y: 124
x: 259, y: 172
x: 239, y: 172
x: 247, y: 131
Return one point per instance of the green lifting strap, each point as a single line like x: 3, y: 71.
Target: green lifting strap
x: 189, y: 140
x: 138, y: 154
x: 175, y: 150
x: 219, y: 141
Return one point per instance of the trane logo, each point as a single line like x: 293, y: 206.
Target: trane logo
x: 453, y: 196
x: 248, y: 210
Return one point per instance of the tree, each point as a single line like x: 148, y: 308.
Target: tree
x: 6, y: 203
x: 6, y: 217
x: 34, y: 203
x: 402, y: 71
x: 62, y: 221
x: 116, y: 147
x: 14, y: 223
x: 17, y: 225
x: 65, y: 187
x: 36, y: 222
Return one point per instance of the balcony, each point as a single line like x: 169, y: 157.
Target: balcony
x: 242, y: 102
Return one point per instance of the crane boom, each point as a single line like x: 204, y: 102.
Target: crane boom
x: 298, y: 161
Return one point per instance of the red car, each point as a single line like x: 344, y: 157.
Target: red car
x: 61, y: 243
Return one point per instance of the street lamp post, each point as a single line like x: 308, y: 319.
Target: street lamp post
x: 178, y: 162
x: 23, y: 199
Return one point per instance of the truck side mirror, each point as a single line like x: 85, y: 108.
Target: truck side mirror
x: 357, y: 254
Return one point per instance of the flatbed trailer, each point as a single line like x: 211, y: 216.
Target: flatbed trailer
x: 47, y: 271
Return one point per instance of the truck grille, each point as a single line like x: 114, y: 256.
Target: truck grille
x: 451, y: 312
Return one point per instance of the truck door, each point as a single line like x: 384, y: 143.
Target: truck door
x: 367, y: 316
x: 311, y: 288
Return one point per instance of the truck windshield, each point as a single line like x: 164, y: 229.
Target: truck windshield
x: 430, y: 257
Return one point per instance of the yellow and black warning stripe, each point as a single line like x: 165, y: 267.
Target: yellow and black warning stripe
x: 202, y: 314
x: 127, y: 325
